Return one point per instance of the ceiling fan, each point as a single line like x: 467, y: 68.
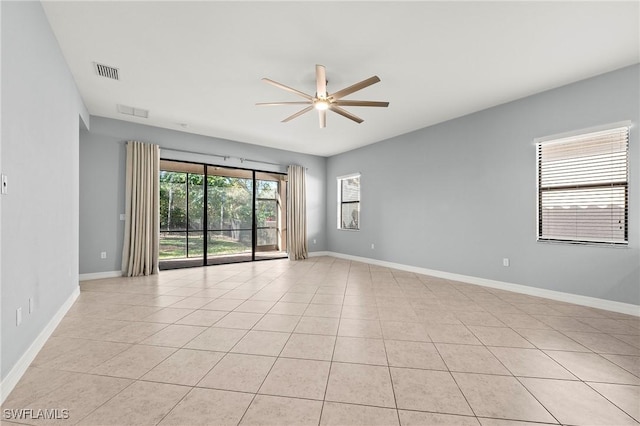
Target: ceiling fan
x: 323, y: 100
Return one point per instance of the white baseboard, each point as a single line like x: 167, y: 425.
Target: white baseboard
x: 592, y: 302
x: 18, y: 370
x: 100, y: 275
x: 319, y: 253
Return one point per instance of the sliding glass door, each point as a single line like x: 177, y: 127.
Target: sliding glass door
x: 181, y: 218
x: 232, y: 215
x: 271, y: 222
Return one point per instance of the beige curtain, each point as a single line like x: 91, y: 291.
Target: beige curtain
x: 142, y: 223
x: 296, y: 214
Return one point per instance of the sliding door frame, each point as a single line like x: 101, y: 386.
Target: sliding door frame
x: 205, y: 213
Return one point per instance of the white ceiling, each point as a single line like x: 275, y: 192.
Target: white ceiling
x: 200, y: 63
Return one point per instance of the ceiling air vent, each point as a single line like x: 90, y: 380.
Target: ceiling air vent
x: 136, y: 112
x: 107, y: 71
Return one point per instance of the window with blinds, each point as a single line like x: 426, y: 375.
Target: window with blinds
x: 582, y: 188
x: 349, y: 202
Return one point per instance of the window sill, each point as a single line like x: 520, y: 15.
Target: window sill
x: 585, y: 243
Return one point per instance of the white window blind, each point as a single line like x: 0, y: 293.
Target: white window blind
x: 582, y: 188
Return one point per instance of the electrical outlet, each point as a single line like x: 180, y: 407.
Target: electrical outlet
x: 18, y: 316
x: 30, y: 304
x: 505, y: 261
x: 103, y: 255
x: 122, y: 216
x: 373, y: 246
x: 314, y: 241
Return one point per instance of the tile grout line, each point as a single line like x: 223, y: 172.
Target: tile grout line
x: 611, y: 402
x: 202, y: 378
x: 335, y: 343
x: 512, y: 375
x: 386, y: 355
x: 271, y: 368
x: 520, y: 381
x: 455, y: 381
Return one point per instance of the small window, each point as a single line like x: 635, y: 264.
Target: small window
x: 349, y: 202
x: 582, y: 188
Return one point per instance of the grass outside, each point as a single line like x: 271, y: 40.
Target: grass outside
x: 174, y: 246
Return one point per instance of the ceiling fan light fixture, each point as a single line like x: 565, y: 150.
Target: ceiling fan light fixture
x: 321, y: 104
x: 323, y: 100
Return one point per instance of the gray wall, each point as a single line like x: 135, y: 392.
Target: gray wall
x: 102, y: 181
x: 460, y: 196
x: 40, y: 127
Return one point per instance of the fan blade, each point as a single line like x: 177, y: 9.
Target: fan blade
x: 290, y: 89
x: 345, y: 113
x: 362, y: 103
x: 321, y: 81
x: 282, y: 103
x: 298, y: 114
x: 355, y: 87
x: 322, y: 114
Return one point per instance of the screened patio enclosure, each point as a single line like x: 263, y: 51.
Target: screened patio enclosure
x: 212, y: 214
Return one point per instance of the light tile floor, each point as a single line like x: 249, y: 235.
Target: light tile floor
x: 329, y: 342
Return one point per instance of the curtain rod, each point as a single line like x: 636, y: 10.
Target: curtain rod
x: 224, y: 157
